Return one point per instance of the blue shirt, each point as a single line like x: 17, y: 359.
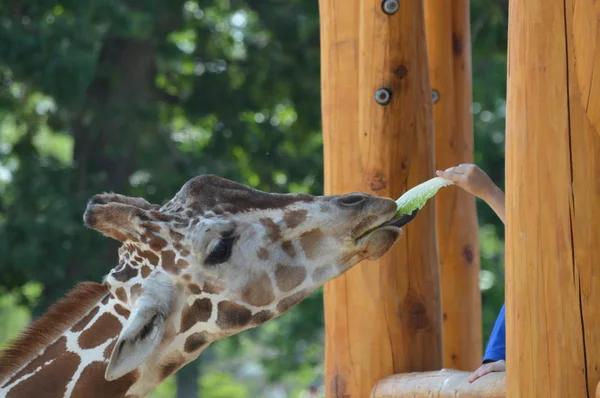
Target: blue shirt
x: 496, y: 347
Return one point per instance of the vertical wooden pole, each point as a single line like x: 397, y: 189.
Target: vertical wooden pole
x: 449, y: 46
x: 553, y: 199
x: 381, y: 317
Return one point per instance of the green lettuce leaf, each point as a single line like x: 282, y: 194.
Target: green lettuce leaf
x: 416, y: 197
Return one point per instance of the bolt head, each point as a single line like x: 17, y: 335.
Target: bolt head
x: 435, y: 95
x: 390, y: 6
x: 383, y: 96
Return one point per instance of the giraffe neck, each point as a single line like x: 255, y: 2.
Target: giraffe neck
x: 72, y: 360
x: 73, y: 363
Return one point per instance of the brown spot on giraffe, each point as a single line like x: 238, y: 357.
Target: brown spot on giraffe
x: 212, y: 288
x: 199, y: 311
x: 109, y: 349
x: 106, y: 325
x: 232, y: 315
x: 145, y: 271
x: 294, y: 218
x: 259, y: 292
x: 311, y: 242
x: 136, y: 290
x: 168, y: 261
x: 288, y: 248
x: 169, y: 264
x: 52, y: 352
x: 195, y: 341
x: 289, y: 277
x: 273, y: 230
x: 187, y: 277
x: 157, y: 243
x: 263, y: 253
x: 121, y: 294
x: 119, y: 309
x: 176, y: 236
x: 91, y: 383
x: 52, y: 378
x: 148, y: 255
x: 320, y: 273
x: 170, y: 366
x: 125, y: 274
x: 290, y: 301
x: 79, y: 326
x: 261, y: 317
x: 194, y: 288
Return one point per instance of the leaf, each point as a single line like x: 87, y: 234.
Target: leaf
x: 416, y: 197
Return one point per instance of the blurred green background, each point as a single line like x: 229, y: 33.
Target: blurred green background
x: 138, y: 96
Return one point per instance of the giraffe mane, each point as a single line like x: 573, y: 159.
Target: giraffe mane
x: 48, y: 327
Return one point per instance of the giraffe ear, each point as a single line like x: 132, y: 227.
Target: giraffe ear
x: 145, y: 328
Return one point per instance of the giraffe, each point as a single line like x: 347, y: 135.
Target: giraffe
x: 218, y: 258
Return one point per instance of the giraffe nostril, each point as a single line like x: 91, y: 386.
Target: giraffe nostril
x: 352, y: 200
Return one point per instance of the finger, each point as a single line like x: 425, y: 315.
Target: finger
x: 484, y: 371
x: 472, y: 377
x: 449, y: 175
x: 477, y: 373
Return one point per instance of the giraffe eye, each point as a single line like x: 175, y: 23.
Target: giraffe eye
x: 221, y: 252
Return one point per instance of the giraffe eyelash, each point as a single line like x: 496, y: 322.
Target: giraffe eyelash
x: 221, y: 252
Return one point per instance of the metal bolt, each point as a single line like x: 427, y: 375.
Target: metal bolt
x: 383, y: 96
x: 390, y: 7
x: 435, y: 96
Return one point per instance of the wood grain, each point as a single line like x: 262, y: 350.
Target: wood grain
x: 382, y: 317
x: 445, y: 383
x: 553, y: 205
x: 447, y: 27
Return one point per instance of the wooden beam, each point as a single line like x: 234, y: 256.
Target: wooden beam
x: 553, y: 200
x: 441, y: 384
x: 447, y: 27
x: 382, y: 317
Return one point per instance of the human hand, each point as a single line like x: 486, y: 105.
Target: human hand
x: 497, y: 366
x: 470, y: 178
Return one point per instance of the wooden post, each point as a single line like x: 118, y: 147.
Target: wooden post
x: 553, y: 199
x: 381, y: 317
x: 447, y: 26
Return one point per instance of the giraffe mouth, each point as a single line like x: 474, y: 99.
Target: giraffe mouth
x: 396, y: 222
x: 400, y: 221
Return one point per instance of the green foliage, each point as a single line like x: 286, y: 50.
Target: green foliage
x: 138, y: 97
x: 222, y: 385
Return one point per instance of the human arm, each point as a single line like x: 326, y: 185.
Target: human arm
x: 495, y: 352
x: 475, y: 181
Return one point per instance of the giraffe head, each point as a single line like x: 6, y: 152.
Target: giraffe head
x: 221, y: 257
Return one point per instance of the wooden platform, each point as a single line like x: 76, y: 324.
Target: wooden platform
x: 445, y: 383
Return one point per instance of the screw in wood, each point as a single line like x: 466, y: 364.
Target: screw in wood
x: 383, y: 96
x: 390, y: 7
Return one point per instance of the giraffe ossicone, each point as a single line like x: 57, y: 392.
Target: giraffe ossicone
x: 217, y: 259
